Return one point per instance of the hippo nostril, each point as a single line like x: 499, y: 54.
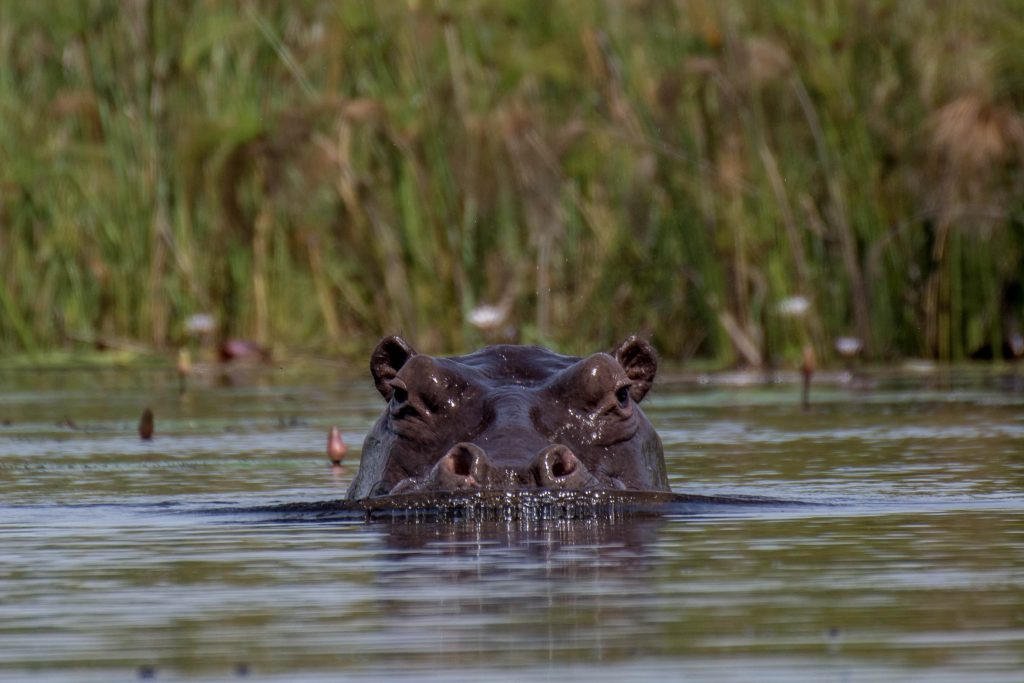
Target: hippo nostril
x: 558, y: 467
x: 563, y: 467
x: 464, y: 465
x: 461, y: 462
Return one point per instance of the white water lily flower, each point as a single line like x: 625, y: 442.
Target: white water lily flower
x: 200, y: 323
x: 794, y: 306
x: 487, y: 317
x: 849, y: 346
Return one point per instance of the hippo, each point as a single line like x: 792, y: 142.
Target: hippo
x: 511, y: 419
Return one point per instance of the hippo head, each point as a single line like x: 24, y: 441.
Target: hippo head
x: 511, y: 418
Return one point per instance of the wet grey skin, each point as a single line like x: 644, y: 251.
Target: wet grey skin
x: 511, y: 418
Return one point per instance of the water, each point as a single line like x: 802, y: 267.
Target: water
x: 118, y: 561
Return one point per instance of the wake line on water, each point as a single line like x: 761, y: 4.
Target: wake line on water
x: 512, y: 506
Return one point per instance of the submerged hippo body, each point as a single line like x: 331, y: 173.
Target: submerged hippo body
x: 511, y: 418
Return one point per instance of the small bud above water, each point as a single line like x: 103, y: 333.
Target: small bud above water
x: 809, y: 361
x: 807, y: 368
x: 183, y: 363
x: 1016, y: 345
x: 183, y: 366
x: 146, y: 425
x: 336, y: 448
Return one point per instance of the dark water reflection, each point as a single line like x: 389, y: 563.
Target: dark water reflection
x: 120, y: 555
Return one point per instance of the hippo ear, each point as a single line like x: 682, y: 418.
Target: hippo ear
x: 638, y: 359
x: 386, y: 360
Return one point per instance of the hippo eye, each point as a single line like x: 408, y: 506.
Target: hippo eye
x: 622, y: 396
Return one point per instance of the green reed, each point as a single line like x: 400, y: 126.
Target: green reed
x: 318, y: 173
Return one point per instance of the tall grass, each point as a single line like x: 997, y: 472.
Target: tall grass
x: 318, y: 173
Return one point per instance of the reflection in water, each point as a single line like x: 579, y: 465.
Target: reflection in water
x: 502, y: 593
x: 602, y: 538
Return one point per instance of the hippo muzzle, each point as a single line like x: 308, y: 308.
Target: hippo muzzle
x: 466, y: 467
x: 511, y: 418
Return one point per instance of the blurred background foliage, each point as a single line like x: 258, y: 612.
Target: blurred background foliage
x: 734, y: 179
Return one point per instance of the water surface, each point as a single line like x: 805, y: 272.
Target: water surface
x: 119, y: 561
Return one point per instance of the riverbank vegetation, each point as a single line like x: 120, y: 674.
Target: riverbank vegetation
x: 736, y: 180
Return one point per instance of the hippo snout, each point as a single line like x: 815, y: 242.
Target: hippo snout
x: 466, y: 467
